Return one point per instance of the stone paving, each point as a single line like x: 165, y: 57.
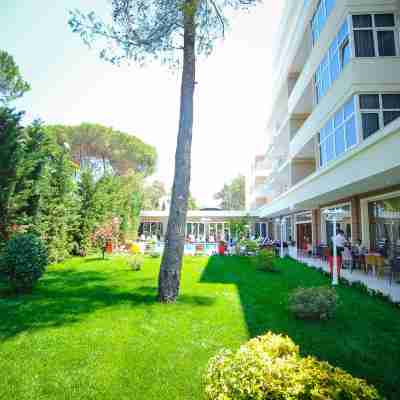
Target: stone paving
x: 381, y: 284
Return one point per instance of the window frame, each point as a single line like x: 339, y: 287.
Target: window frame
x: 375, y: 29
x: 315, y: 23
x: 379, y: 111
x: 339, y: 47
x: 334, y: 128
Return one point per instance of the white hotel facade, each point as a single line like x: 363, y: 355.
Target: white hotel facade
x: 335, y: 121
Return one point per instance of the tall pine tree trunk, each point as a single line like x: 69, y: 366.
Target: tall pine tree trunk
x: 171, y: 264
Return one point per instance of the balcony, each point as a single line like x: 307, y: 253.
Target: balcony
x: 360, y: 75
x: 361, y: 170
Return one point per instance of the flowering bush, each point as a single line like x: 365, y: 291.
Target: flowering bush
x: 135, y: 248
x: 102, y: 237
x: 270, y: 367
x: 313, y: 303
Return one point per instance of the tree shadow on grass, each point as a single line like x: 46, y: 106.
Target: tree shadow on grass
x: 363, y: 338
x: 69, y: 296
x: 95, y: 259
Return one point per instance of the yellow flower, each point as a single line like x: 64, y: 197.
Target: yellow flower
x: 135, y: 248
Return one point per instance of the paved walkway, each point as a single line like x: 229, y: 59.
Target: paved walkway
x: 376, y: 283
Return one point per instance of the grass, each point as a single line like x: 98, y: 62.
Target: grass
x: 92, y: 329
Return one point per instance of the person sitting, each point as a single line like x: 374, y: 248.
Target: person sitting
x: 359, y: 249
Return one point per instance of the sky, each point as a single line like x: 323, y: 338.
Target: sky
x: 71, y: 84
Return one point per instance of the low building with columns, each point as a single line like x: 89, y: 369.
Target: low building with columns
x: 204, y: 224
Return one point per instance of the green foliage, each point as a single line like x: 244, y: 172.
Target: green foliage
x: 106, y: 151
x: 266, y: 260
x: 25, y: 153
x: 250, y: 245
x: 270, y: 367
x: 37, y: 191
x: 313, y: 303
x: 144, y: 30
x: 233, y: 195
x: 240, y: 227
x: 153, y: 195
x: 56, y: 217
x: 192, y: 203
x: 23, y: 261
x: 12, y: 140
x: 12, y: 85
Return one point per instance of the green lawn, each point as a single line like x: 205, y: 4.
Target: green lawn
x: 92, y: 329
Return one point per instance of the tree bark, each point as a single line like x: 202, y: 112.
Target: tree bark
x: 171, y: 264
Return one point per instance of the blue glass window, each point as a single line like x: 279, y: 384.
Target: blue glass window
x: 339, y: 134
x: 349, y: 108
x: 351, y: 132
x: 320, y: 17
x: 340, y: 142
x: 330, y: 149
x: 333, y: 63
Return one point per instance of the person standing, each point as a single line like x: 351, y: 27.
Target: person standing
x: 340, y: 241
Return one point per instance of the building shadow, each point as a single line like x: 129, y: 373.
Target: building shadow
x: 354, y: 340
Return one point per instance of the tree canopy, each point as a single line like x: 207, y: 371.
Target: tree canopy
x: 12, y: 85
x: 233, y: 195
x: 153, y: 195
x: 105, y: 149
x: 145, y: 30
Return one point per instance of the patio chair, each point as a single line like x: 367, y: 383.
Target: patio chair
x: 370, y: 262
x: 395, y: 268
x: 380, y: 266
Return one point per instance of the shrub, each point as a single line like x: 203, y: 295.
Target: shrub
x: 270, y: 367
x: 250, y: 245
x: 266, y: 261
x: 23, y: 262
x: 313, y: 303
x: 136, y: 262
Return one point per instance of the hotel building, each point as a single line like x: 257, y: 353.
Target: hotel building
x: 334, y: 122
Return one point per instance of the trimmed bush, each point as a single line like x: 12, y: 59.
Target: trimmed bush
x: 266, y: 261
x: 318, y: 303
x: 270, y: 367
x: 24, y: 261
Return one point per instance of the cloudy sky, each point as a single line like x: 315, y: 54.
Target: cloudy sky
x: 70, y: 85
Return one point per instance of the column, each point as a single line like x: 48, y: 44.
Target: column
x: 316, y: 227
x: 355, y: 219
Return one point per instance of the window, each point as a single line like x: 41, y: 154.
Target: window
x: 378, y: 110
x: 384, y: 225
x: 333, y: 63
x: 320, y: 17
x: 374, y: 35
x: 339, y: 134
